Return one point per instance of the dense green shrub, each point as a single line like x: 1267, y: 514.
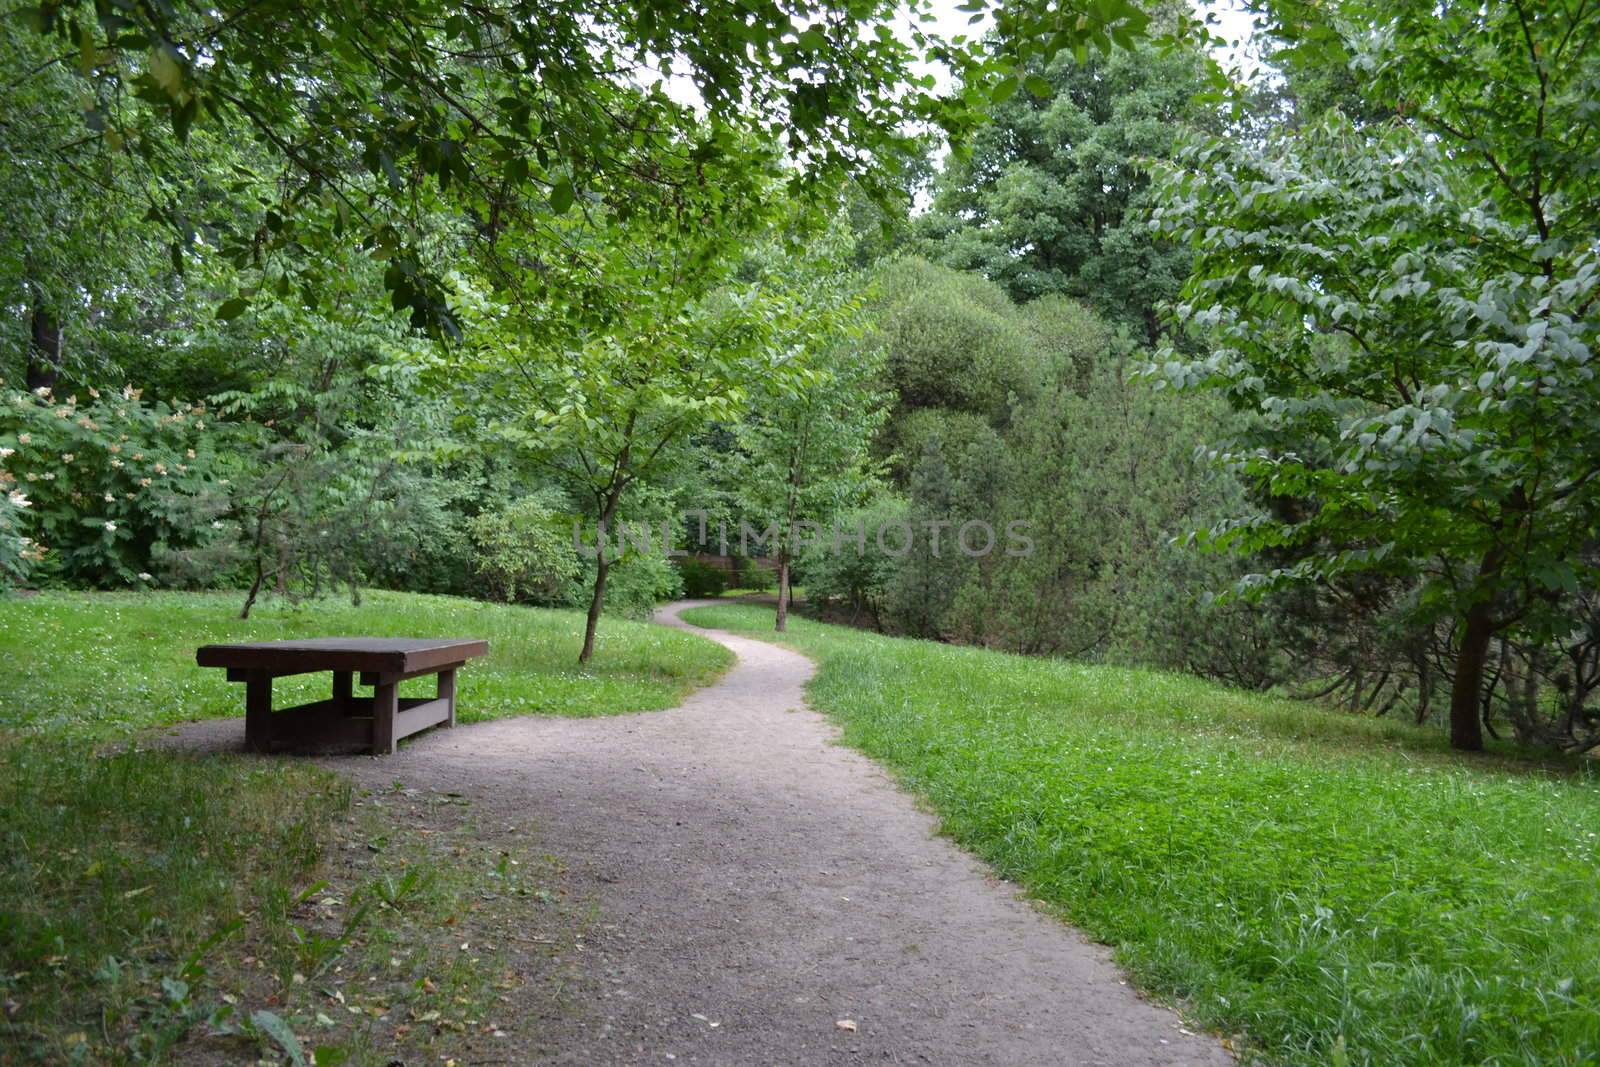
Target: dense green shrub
x: 1101, y: 473
x: 757, y: 576
x: 951, y: 340
x: 18, y: 553
x: 700, y: 579
x: 104, y: 490
x: 952, y: 431
x: 857, y: 577
x: 524, y: 552
x: 635, y: 584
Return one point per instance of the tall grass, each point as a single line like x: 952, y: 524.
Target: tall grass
x: 116, y: 870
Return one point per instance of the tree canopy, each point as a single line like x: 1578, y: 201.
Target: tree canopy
x: 1053, y: 195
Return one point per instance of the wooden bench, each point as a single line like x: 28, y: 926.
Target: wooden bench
x: 345, y: 721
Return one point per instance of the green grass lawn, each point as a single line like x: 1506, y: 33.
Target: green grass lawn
x: 796, y: 592
x: 232, y: 906
x: 1339, y: 889
x: 101, y: 664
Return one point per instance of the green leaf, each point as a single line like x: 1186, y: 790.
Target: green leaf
x: 1037, y: 86
x: 274, y: 1027
x: 1004, y: 90
x: 166, y: 70
x: 562, y: 197
x: 232, y: 308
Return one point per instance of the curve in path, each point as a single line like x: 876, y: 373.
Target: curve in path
x: 753, y: 873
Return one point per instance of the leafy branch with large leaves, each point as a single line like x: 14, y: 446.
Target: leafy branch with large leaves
x: 1411, y: 307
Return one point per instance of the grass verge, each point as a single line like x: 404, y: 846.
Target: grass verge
x: 1339, y: 889
x: 154, y: 905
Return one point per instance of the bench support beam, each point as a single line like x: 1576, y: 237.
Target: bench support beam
x: 342, y: 699
x: 447, y: 693
x: 257, y: 711
x: 375, y: 723
x: 385, y: 706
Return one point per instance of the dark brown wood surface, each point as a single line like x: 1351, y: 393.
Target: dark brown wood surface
x: 375, y: 655
x: 373, y: 724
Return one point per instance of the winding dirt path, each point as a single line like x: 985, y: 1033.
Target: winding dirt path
x: 757, y: 883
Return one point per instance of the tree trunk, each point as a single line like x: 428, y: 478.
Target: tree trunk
x: 596, y: 601
x: 1466, y: 729
x: 255, y: 589
x: 1424, y: 688
x: 783, y: 591
x: 602, y: 567
x: 283, y: 571
x: 44, y: 355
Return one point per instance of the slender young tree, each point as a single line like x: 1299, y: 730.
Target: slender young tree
x: 666, y: 341
x: 805, y: 443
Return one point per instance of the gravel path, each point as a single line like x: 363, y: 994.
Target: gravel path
x: 758, y: 884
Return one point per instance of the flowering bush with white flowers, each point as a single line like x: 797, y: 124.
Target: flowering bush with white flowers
x: 98, y: 485
x: 18, y: 553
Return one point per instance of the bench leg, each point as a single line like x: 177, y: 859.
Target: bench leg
x: 342, y: 692
x: 447, y: 691
x: 258, y: 711
x: 385, y: 705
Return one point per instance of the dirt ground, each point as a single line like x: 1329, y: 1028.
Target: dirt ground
x: 767, y: 896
